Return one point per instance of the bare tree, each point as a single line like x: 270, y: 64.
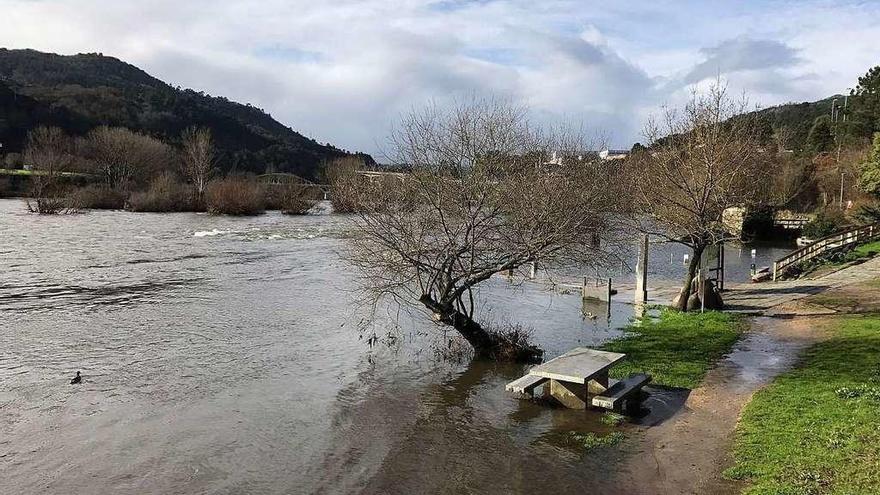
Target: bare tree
x: 482, y: 198
x: 700, y: 162
x: 341, y: 175
x: 198, y: 158
x: 792, y: 177
x: 48, y: 154
x: 124, y: 157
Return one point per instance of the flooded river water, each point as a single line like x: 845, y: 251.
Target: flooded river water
x: 222, y: 355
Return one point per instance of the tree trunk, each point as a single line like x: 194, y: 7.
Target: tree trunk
x: 693, y: 265
x: 473, y: 332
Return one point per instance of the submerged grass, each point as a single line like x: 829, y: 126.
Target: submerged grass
x: 815, y: 429
x: 676, y: 349
x: 613, y: 419
x: 590, y: 440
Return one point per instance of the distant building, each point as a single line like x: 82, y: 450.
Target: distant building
x: 613, y: 154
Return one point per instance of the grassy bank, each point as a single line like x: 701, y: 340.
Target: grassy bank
x: 815, y: 429
x: 677, y: 348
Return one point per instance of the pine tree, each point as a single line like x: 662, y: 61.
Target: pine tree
x: 869, y: 180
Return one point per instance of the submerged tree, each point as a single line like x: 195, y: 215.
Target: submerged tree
x: 481, y: 197
x: 124, y: 157
x: 198, y: 158
x: 48, y: 155
x: 341, y: 175
x: 701, y: 161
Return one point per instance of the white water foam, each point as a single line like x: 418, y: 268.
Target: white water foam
x: 211, y: 233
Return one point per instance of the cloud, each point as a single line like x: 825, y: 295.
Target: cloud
x: 343, y: 71
x: 742, y: 54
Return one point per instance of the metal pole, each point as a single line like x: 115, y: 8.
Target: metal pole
x: 641, y: 293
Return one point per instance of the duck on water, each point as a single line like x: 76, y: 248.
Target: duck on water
x: 76, y: 379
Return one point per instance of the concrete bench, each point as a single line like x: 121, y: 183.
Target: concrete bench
x: 622, y: 391
x: 525, y: 385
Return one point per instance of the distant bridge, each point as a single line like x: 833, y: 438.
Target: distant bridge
x: 283, y: 179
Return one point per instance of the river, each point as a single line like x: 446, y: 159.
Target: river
x: 223, y: 355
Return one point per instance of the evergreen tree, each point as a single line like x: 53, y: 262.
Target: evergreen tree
x: 821, y: 136
x: 869, y: 180
x: 865, y: 114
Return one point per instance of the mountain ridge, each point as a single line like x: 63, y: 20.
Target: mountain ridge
x: 83, y: 91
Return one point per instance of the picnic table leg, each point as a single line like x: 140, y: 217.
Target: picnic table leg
x: 596, y: 386
x: 571, y: 395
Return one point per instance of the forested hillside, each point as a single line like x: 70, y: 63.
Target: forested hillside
x: 80, y: 92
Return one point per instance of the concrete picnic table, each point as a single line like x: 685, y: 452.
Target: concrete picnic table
x: 578, y: 375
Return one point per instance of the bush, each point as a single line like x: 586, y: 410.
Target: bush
x: 341, y: 174
x: 292, y: 199
x: 165, y: 194
x: 234, y: 196
x: 868, y: 214
x: 513, y: 343
x: 97, y: 197
x: 827, y: 222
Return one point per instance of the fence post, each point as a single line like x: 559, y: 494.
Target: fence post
x: 775, y: 265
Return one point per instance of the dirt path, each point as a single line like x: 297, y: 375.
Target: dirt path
x: 766, y: 298
x: 686, y: 454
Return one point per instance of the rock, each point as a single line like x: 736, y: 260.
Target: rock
x: 677, y: 299
x: 694, y: 303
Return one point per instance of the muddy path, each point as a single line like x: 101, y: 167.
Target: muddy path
x: 687, y: 454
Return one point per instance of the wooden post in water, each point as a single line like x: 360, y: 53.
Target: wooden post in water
x: 641, y: 296
x: 609, y: 298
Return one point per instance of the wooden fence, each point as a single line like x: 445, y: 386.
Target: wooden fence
x: 855, y: 235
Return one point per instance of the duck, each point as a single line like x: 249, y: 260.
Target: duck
x: 76, y: 379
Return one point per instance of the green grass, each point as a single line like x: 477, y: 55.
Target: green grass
x: 816, y: 429
x: 676, y: 349
x: 865, y: 250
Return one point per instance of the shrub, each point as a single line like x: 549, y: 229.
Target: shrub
x: 97, y: 197
x: 341, y: 174
x: 513, y: 343
x: 827, y: 222
x: 165, y: 194
x: 868, y: 214
x: 294, y: 199
x: 234, y: 196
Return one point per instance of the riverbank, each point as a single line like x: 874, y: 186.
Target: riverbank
x: 811, y: 430
x: 676, y: 349
x: 814, y: 429
x: 687, y: 453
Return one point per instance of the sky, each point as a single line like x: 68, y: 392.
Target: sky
x: 344, y: 71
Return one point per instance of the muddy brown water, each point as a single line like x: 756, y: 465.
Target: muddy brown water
x: 221, y: 355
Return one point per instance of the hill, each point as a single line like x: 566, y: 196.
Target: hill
x: 794, y: 120
x: 80, y: 92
